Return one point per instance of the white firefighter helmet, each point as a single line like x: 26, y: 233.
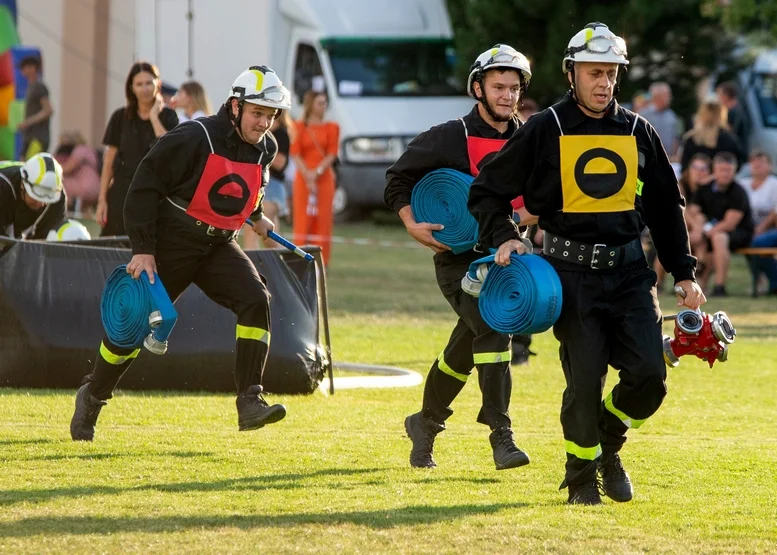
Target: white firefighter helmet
x: 500, y: 56
x: 261, y: 85
x: 71, y: 230
x: 42, y: 178
x: 595, y: 43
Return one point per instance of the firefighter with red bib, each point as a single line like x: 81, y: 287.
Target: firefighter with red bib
x: 497, y: 80
x: 187, y: 201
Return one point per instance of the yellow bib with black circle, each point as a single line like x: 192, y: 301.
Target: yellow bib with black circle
x: 598, y: 173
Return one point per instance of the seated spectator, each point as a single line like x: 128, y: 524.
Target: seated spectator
x: 697, y: 174
x: 762, y: 191
x: 710, y: 134
x: 719, y: 222
x: 81, y: 169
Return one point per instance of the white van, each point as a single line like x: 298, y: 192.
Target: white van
x: 387, y: 66
x: 759, y: 93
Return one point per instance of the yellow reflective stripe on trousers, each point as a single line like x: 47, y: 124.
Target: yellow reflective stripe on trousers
x: 257, y: 334
x: 489, y: 358
x: 586, y: 453
x: 628, y: 421
x: 444, y: 368
x: 116, y: 359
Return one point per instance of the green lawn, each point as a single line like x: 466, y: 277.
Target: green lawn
x: 169, y: 473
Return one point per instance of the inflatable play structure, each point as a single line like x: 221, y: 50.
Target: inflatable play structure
x: 50, y: 325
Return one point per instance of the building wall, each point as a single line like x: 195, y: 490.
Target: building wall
x: 40, y: 24
x: 87, y: 47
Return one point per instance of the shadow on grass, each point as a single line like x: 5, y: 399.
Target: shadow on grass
x: 107, y: 456
x: 39, y: 441
x: 381, y: 519
x: 252, y: 483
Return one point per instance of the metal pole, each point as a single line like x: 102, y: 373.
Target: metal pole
x: 190, y: 17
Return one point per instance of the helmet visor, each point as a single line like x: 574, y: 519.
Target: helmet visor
x: 503, y: 57
x: 271, y: 95
x: 42, y: 194
x: 602, y: 45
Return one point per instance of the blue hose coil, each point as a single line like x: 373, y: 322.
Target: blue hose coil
x: 126, y: 305
x: 521, y: 298
x: 440, y: 197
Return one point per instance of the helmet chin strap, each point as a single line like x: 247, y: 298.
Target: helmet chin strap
x: 489, y: 110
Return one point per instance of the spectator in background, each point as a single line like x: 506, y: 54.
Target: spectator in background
x: 761, y: 188
x: 698, y: 174
x: 710, y: 134
x: 81, y: 170
x: 640, y: 101
x: 192, y: 100
x: 738, y: 118
x: 131, y: 132
x: 37, y: 110
x: 719, y: 221
x: 314, y: 150
x: 527, y: 108
x: 274, y: 202
x: 662, y: 117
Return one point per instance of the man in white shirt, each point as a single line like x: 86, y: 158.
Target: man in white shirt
x: 663, y: 118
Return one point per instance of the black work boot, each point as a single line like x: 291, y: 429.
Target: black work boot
x: 614, y: 479
x: 88, y: 408
x: 584, y: 494
x: 506, y: 452
x: 422, y: 432
x: 253, y: 412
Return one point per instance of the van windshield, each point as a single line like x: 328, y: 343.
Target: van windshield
x: 765, y: 86
x: 421, y: 67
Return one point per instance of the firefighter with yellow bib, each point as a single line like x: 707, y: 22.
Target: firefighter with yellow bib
x: 596, y: 175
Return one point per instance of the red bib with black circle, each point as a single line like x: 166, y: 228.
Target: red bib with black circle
x: 227, y: 193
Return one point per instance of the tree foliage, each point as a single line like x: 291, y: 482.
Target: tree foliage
x: 670, y: 41
x: 745, y: 16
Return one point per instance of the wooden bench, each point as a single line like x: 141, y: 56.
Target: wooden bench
x: 757, y: 251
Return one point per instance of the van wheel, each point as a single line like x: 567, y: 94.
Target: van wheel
x: 343, y: 211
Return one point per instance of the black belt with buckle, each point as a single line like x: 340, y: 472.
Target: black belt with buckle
x: 598, y: 256
x: 178, y: 209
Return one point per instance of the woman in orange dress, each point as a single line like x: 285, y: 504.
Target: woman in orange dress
x: 314, y: 150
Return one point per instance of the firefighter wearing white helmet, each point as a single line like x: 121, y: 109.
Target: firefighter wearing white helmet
x: 32, y: 199
x: 261, y: 86
x: 188, y: 199
x: 71, y: 230
x: 497, y: 80
x: 595, y: 44
x: 596, y: 175
x: 501, y: 57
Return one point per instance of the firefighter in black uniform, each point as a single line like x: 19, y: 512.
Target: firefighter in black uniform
x: 496, y: 79
x: 32, y: 200
x: 596, y: 175
x: 189, y: 197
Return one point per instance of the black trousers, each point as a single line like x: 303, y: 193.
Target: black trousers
x: 611, y: 319
x: 228, y: 277
x: 472, y: 344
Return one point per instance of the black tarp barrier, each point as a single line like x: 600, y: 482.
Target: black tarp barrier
x: 50, y: 327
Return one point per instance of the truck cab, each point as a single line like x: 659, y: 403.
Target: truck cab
x: 759, y: 90
x: 387, y: 67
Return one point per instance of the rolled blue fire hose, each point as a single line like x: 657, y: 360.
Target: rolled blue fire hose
x: 523, y: 297
x: 440, y: 197
x: 135, y: 312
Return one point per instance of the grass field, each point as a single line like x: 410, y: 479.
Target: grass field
x: 169, y: 473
